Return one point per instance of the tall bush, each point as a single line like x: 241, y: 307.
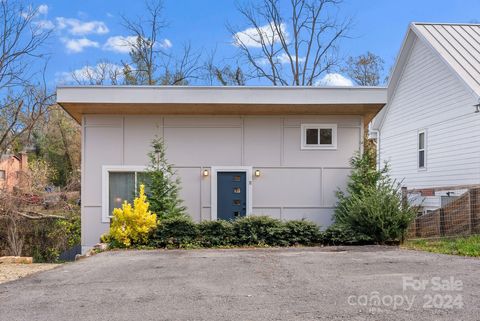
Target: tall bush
x: 132, y: 225
x: 302, y: 232
x: 215, y: 233
x: 372, y: 206
x: 176, y: 232
x: 162, y: 186
x: 258, y: 230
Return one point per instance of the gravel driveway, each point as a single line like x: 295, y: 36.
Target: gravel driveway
x: 258, y: 284
x: 9, y: 272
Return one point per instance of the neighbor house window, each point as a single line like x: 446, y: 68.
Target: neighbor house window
x: 319, y: 136
x: 2, y: 174
x: 422, y: 149
x: 120, y: 184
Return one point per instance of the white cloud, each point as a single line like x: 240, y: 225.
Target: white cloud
x: 280, y: 59
x: 119, y: 44
x: 87, y: 73
x: 123, y: 44
x: 252, y: 37
x: 166, y: 43
x: 77, y: 45
x: 334, y: 79
x: 42, y: 9
x: 80, y: 28
x: 284, y: 59
x: 44, y: 24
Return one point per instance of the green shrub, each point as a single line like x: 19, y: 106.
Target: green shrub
x: 377, y: 212
x: 257, y: 230
x: 45, y: 240
x: 338, y: 234
x: 177, y: 232
x: 302, y: 232
x: 372, y: 206
x: 215, y: 233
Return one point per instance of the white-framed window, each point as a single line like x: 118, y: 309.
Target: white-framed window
x: 422, y: 149
x: 319, y: 136
x: 2, y: 174
x: 119, y: 184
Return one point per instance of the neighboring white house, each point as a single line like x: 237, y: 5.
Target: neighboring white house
x: 278, y: 151
x: 429, y: 131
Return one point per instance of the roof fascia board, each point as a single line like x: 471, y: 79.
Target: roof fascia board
x: 222, y: 95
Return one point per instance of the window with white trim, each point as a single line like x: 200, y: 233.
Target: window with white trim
x: 2, y: 174
x: 319, y: 136
x: 422, y: 157
x: 121, y: 184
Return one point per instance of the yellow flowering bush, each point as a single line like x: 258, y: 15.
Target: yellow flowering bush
x: 132, y: 225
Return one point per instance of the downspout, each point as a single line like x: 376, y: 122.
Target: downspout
x: 376, y: 133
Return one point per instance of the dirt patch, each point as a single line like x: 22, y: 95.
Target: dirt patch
x: 10, y: 272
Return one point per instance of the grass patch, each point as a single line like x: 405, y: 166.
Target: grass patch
x: 464, y: 246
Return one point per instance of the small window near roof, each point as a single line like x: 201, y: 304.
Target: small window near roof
x: 319, y: 136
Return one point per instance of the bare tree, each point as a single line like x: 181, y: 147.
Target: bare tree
x: 228, y: 75
x: 103, y: 73
x: 24, y: 101
x: 145, y: 47
x: 365, y: 69
x: 19, y: 115
x: 150, y: 62
x: 180, y: 70
x: 294, y: 49
x: 223, y: 73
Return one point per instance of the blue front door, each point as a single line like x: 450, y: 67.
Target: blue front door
x: 231, y: 195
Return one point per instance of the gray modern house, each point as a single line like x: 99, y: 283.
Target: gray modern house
x: 278, y: 151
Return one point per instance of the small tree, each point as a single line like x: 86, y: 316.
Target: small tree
x: 372, y: 205
x: 163, y: 186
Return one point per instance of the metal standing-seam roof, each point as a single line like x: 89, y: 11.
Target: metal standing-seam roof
x: 459, y: 46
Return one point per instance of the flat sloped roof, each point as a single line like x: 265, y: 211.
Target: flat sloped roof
x: 242, y: 100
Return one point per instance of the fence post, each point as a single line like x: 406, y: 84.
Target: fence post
x: 472, y: 198
x: 404, y: 197
x: 442, y: 221
x: 418, y: 232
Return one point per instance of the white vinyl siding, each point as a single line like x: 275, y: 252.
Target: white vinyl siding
x: 430, y: 95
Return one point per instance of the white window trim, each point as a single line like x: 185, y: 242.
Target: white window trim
x: 106, y: 169
x: 213, y: 191
x: 304, y: 128
x: 424, y: 168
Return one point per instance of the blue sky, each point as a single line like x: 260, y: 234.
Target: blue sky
x: 83, y: 29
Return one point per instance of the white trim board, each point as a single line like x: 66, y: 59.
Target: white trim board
x: 293, y: 95
x: 249, y: 182
x: 106, y: 169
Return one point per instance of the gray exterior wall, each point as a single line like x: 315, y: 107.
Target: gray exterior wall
x: 294, y: 183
